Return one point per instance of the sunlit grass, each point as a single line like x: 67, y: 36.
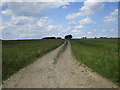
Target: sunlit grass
x: 101, y: 55
x: 17, y: 54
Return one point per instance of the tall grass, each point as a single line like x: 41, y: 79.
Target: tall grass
x: 19, y: 53
x: 101, y: 55
x: 60, y: 52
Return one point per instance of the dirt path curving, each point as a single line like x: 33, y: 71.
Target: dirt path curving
x: 66, y: 73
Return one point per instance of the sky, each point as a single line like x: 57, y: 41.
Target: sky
x: 34, y: 20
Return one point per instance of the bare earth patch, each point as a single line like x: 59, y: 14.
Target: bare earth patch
x: 66, y: 73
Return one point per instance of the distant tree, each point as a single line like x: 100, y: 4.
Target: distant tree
x: 84, y: 37
x: 58, y: 37
x: 103, y: 37
x: 68, y: 36
x: 49, y: 38
x: 95, y: 37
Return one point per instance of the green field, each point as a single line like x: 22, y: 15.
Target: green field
x: 18, y: 53
x: 101, y: 55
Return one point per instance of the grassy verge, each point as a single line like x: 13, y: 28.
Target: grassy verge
x: 101, y: 55
x: 16, y: 54
x: 60, y: 53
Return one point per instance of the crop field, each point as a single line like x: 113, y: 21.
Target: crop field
x: 18, y: 53
x: 101, y: 55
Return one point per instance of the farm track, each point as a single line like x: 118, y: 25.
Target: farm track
x: 66, y: 73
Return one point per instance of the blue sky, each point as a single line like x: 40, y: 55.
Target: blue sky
x: 81, y: 19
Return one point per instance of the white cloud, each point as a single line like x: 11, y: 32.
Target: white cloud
x: 82, y: 23
x: 89, y: 32
x: 86, y: 21
x: 66, y: 29
x: 87, y: 9
x: 94, y: 30
x: 79, y: 27
x: 65, y: 7
x: 73, y: 15
x: 7, y: 12
x: 71, y: 23
x: 111, y: 17
x: 50, y: 27
x: 44, y: 21
x: 2, y: 28
x: 25, y: 22
x: 112, y: 30
x: 103, y: 30
x: 33, y: 8
x: 22, y: 20
x: 75, y: 31
x: 23, y: 26
x: 2, y: 3
x: 91, y: 7
x: 115, y: 12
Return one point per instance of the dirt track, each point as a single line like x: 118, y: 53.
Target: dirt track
x: 66, y: 73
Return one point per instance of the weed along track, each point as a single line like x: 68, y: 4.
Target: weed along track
x: 60, y: 52
x: 65, y: 73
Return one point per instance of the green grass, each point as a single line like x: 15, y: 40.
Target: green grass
x: 16, y: 54
x: 101, y: 55
x: 60, y: 53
